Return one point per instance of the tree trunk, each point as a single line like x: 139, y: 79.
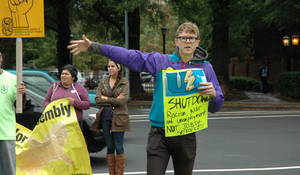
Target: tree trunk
x: 220, y: 52
x: 134, y: 43
x: 63, y: 36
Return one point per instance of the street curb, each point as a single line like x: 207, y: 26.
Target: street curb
x: 260, y: 106
x: 227, y: 105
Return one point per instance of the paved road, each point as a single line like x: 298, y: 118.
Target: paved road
x: 236, y: 143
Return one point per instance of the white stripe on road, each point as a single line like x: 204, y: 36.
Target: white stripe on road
x: 252, y: 117
x: 141, y: 115
x: 241, y: 113
x: 144, y: 118
x: 138, y: 121
x: 253, y: 113
x: 221, y: 170
x: 276, y: 112
x: 238, y: 113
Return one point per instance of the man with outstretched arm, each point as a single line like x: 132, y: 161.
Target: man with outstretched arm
x: 187, y: 55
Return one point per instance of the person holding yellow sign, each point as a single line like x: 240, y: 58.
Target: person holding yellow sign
x: 191, y: 91
x: 68, y: 87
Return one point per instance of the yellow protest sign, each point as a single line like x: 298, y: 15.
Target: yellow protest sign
x: 185, y: 110
x: 56, y: 144
x: 21, y: 18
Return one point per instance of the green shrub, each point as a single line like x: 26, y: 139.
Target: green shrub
x: 289, y: 84
x: 244, y: 83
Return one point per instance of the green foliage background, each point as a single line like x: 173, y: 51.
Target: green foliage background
x: 103, y: 21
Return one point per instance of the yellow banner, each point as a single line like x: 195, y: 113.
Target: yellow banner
x: 185, y: 110
x: 21, y: 18
x: 56, y: 145
x: 22, y: 135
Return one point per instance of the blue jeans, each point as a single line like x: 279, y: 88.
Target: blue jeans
x: 113, y: 140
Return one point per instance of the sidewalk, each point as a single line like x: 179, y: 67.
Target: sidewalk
x: 260, y: 101
x: 256, y: 101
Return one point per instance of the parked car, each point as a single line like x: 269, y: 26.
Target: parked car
x: 37, y: 83
x: 93, y: 80
x: 146, y: 77
x: 91, y: 84
x: 103, y: 74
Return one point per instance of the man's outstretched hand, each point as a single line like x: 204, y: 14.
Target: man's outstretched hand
x: 78, y: 46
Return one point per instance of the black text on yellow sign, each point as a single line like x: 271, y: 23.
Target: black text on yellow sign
x: 185, y: 114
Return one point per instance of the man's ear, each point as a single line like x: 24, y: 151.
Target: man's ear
x: 176, y: 42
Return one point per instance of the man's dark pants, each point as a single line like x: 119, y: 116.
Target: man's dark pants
x: 160, y: 148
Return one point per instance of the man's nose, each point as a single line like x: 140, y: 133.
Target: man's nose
x: 188, y: 40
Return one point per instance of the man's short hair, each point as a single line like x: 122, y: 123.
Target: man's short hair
x: 188, y: 27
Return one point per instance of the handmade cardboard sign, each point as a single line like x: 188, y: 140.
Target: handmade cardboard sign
x: 21, y: 18
x: 185, y: 110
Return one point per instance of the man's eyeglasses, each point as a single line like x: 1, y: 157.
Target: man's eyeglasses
x: 187, y: 38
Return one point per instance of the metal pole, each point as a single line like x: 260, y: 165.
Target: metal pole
x: 127, y: 46
x: 164, y: 43
x: 164, y: 32
x: 19, y: 67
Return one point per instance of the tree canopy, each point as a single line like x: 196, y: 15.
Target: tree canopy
x: 229, y: 28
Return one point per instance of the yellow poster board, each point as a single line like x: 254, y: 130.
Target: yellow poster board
x: 185, y: 109
x: 56, y: 144
x: 21, y: 18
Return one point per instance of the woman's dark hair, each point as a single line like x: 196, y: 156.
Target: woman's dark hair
x: 73, y: 71
x: 120, y: 72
